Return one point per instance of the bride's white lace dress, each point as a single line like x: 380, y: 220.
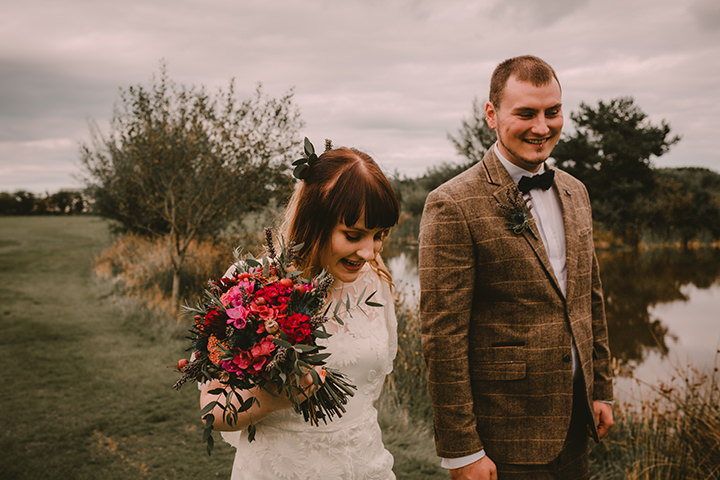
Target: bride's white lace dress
x: 287, y: 447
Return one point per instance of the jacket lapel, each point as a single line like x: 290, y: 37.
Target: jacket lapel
x: 570, y: 216
x: 497, y: 175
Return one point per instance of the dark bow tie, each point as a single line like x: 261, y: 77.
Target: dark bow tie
x: 544, y: 181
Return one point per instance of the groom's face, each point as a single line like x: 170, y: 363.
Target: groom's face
x: 528, y: 121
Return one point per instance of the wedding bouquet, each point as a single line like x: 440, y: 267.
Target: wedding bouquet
x: 258, y: 327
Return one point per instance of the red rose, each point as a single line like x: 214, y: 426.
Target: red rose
x: 296, y: 327
x: 213, y: 323
x: 274, y: 294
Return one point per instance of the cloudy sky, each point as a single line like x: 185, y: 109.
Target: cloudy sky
x: 391, y: 77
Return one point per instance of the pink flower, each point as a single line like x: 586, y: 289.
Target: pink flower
x: 237, y: 316
x: 234, y: 296
x: 263, y: 311
x: 265, y: 347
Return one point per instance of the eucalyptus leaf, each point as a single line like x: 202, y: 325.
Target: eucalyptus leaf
x: 317, y: 333
x: 318, y: 359
x: 372, y: 303
x: 246, y: 404
x: 298, y: 171
x: 208, y: 408
x: 300, y: 348
x: 281, y: 343
x: 209, y: 420
x: 315, y: 376
x: 309, y: 148
x: 210, y: 444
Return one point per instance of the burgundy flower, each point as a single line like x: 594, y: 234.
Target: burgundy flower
x: 296, y: 327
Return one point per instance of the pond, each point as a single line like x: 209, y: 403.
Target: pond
x: 663, y: 311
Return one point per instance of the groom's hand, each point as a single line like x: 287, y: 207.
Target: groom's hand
x: 483, y: 469
x: 603, y: 417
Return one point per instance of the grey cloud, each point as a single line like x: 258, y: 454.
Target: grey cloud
x: 39, y: 98
x: 391, y: 76
x: 535, y: 13
x: 707, y: 14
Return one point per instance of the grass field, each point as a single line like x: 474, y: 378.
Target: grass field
x: 87, y: 389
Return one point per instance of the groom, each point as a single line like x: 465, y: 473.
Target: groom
x: 513, y: 320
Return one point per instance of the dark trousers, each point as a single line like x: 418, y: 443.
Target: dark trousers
x: 572, y: 463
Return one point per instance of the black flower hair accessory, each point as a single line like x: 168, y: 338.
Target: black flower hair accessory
x: 518, y: 213
x: 303, y: 164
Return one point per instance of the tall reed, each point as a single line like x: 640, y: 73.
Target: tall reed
x: 674, y: 434
x: 407, y: 384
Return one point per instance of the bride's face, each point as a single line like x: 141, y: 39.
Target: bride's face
x: 349, y: 248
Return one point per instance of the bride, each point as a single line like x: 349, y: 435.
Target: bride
x: 340, y: 212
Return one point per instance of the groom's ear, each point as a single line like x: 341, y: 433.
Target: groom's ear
x: 490, y: 115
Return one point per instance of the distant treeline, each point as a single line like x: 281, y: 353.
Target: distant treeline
x: 678, y: 205
x: 64, y: 202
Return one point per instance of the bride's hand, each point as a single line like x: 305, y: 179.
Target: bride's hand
x: 306, y: 388
x: 268, y: 400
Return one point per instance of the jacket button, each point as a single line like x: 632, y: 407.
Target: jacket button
x: 566, y: 357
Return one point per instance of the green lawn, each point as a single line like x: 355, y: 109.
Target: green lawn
x: 87, y: 391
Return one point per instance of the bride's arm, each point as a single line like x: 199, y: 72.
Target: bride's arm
x: 265, y: 403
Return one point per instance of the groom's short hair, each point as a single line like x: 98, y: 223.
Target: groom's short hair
x: 527, y: 68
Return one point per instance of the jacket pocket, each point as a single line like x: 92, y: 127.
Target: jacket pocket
x: 498, y: 371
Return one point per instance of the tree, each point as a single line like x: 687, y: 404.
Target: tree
x: 685, y: 204
x: 25, y: 203
x: 610, y: 150
x: 65, y: 202
x: 180, y: 163
x: 474, y: 137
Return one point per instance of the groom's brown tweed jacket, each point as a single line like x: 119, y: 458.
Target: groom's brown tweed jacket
x: 495, y: 324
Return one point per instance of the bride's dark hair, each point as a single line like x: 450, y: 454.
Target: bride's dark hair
x: 341, y: 186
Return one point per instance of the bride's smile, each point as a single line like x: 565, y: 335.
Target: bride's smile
x: 349, y: 248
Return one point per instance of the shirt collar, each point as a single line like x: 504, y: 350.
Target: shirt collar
x: 516, y: 173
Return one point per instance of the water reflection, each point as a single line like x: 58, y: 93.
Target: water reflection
x: 639, y: 287
x: 634, y: 284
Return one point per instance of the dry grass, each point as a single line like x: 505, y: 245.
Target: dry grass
x: 674, y: 434
x: 141, y: 268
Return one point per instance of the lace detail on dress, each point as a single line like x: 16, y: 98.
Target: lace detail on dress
x: 364, y: 347
x: 363, y: 323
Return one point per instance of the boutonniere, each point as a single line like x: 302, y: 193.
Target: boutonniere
x: 518, y: 213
